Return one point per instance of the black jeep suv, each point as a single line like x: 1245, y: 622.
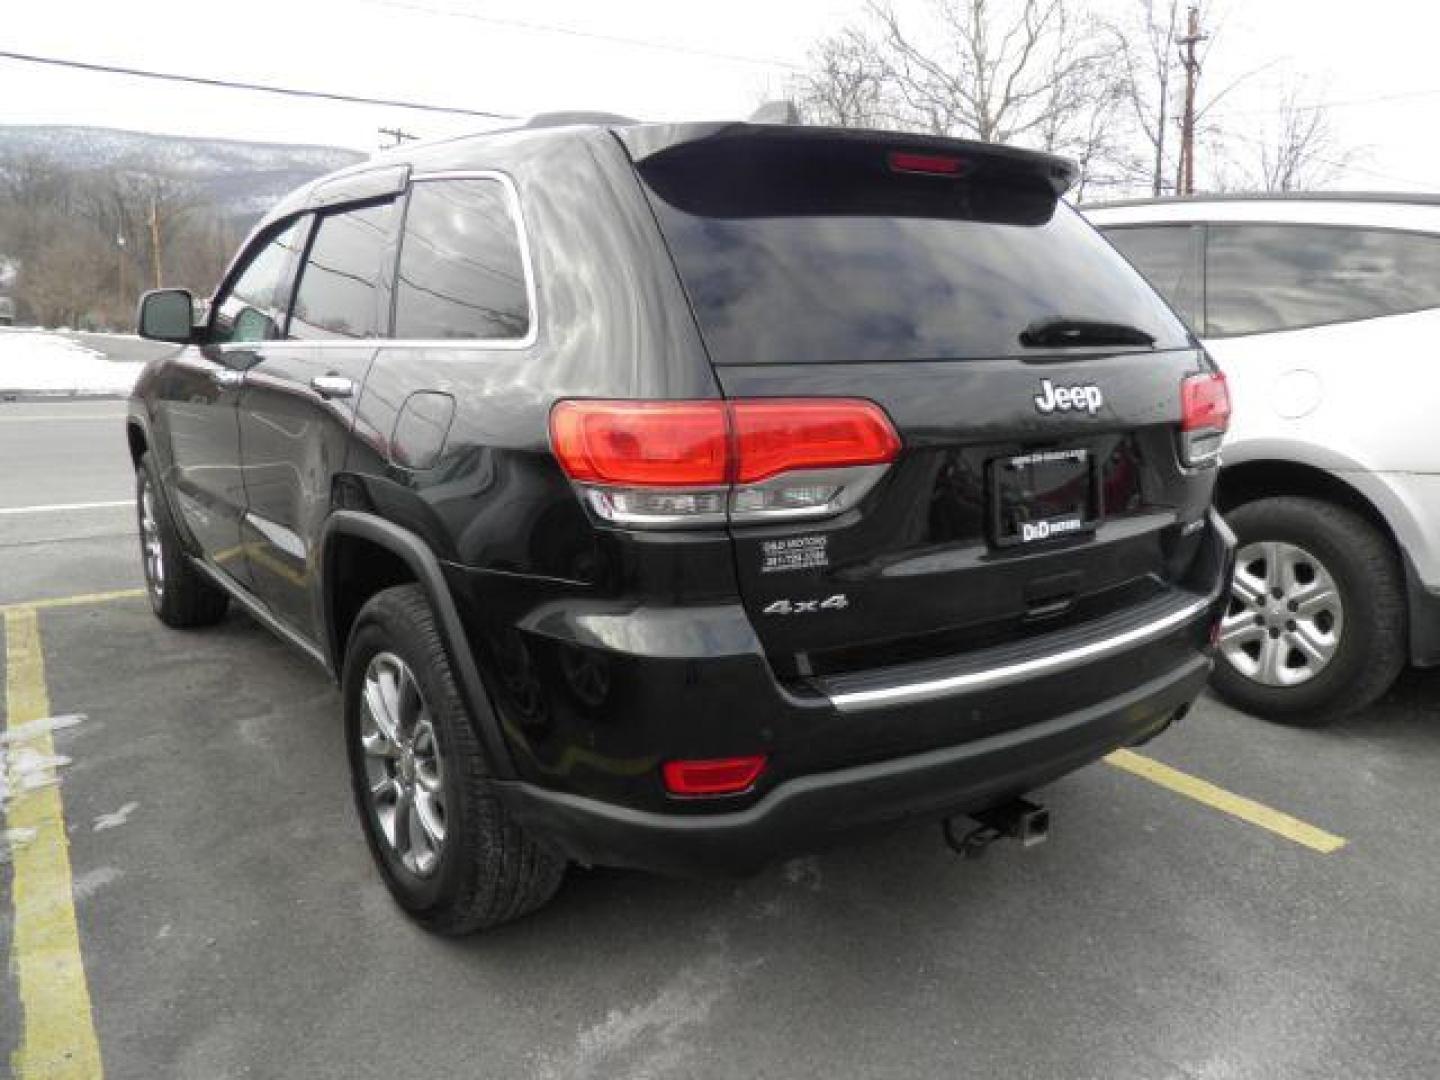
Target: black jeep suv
x: 681, y: 496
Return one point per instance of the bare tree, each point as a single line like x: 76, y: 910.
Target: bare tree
x: 993, y: 70
x: 845, y: 85
x: 1149, y: 57
x: 1299, y: 151
x: 80, y: 244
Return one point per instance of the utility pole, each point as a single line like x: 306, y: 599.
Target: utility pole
x: 1185, y: 181
x: 397, y: 135
x: 155, y: 240
x: 120, y: 264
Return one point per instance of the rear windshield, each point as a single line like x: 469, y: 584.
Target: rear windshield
x: 795, y: 259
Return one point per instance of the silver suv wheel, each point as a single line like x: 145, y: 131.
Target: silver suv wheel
x: 403, y: 769
x: 1285, y: 617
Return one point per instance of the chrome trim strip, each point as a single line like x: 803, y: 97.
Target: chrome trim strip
x: 287, y: 540
x: 531, y: 294
x: 1041, y: 665
x: 259, y: 612
x: 531, y: 298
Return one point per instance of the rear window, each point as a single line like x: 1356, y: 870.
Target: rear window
x: 824, y: 255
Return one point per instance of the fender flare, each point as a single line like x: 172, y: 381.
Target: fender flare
x: 426, y: 568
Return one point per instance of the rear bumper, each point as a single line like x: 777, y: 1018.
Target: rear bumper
x: 811, y: 811
x: 594, y: 696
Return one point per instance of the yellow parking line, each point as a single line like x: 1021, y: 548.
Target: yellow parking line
x: 1227, y: 801
x: 58, y: 1036
x: 73, y: 601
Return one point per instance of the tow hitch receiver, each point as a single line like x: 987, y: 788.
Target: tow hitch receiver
x: 1018, y: 819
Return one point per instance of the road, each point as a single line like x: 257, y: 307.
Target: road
x: 230, y: 924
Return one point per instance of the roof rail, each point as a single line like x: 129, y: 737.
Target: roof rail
x: 783, y: 111
x: 571, y: 117
x: 1416, y: 197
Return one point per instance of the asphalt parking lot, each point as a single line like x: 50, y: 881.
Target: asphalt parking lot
x: 217, y: 915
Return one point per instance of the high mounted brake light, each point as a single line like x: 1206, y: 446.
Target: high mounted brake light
x: 903, y: 161
x: 1204, y: 417
x: 705, y: 462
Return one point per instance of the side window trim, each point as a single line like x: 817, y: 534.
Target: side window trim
x: 386, y: 294
x: 517, y: 221
x: 1202, y: 231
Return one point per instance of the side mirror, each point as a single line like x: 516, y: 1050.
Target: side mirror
x: 167, y: 315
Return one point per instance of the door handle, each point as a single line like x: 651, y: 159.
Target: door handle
x: 227, y: 378
x: 333, y: 386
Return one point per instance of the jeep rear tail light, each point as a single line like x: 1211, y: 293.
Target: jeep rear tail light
x: 684, y: 463
x: 715, y: 776
x: 1204, y: 417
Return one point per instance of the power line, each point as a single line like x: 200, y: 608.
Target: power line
x: 1342, y: 165
x: 1378, y: 99
x: 593, y: 35
x: 225, y: 84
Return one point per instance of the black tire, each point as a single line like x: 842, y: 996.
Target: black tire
x: 1370, y: 648
x: 179, y: 595
x: 489, y: 870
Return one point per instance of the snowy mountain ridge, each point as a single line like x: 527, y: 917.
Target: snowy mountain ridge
x: 244, y: 178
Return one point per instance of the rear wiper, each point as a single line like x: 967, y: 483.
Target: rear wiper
x: 1082, y: 332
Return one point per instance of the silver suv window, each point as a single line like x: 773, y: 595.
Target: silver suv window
x: 1262, y: 278
x: 1170, y: 257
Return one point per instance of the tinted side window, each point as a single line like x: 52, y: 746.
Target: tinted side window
x: 1169, y: 257
x: 1282, y: 277
x: 461, y: 272
x: 336, y: 293
x: 253, y: 308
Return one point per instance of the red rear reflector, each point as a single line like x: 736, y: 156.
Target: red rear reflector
x: 643, y: 443
x: 716, y: 776
x: 934, y: 164
x: 779, y: 435
x: 1204, y: 403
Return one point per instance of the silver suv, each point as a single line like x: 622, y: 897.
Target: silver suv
x: 1324, y: 312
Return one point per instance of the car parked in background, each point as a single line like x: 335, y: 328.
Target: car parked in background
x: 1324, y: 311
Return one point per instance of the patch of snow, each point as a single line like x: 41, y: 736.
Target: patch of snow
x: 32, y: 362
x: 654, y: 1038
x: 35, y: 728
x: 25, y: 770
x: 11, y: 840
x: 92, y: 881
x: 116, y: 819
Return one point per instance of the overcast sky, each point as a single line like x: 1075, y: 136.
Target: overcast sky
x: 1376, y: 60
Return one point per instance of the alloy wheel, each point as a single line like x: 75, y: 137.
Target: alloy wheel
x: 152, y: 551
x: 404, y: 772
x: 1285, y: 618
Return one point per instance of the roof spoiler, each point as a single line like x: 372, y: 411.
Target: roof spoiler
x: 992, y: 161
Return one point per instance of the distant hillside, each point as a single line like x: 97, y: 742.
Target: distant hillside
x: 243, y: 178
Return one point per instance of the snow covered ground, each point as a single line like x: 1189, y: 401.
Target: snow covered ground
x: 38, y: 361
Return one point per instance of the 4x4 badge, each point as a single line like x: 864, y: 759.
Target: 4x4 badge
x: 1052, y: 398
